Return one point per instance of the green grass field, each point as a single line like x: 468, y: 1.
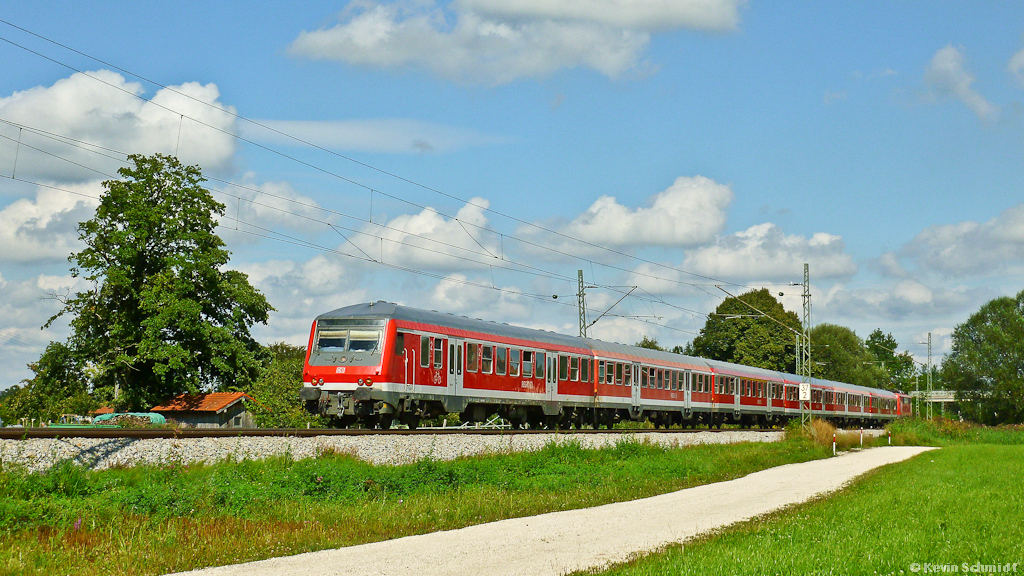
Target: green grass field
x: 960, y: 504
x: 157, y: 519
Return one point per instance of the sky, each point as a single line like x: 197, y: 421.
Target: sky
x: 471, y: 156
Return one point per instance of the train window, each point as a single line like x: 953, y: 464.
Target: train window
x: 610, y: 376
x: 585, y: 370
x: 424, y: 351
x: 399, y: 344
x: 527, y: 363
x: 458, y: 359
x: 451, y: 357
x: 563, y: 367
x: 675, y: 380
x: 500, y: 360
x: 486, y: 359
x: 513, y: 362
x: 643, y: 377
x: 600, y: 371
x: 472, y: 357
x: 627, y: 375
x: 438, y: 353
x: 574, y: 369
x: 538, y: 366
x: 364, y: 340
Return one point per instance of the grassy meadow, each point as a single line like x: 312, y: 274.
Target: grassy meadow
x: 960, y: 504
x: 157, y: 519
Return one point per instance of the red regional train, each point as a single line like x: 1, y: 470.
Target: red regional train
x: 379, y: 363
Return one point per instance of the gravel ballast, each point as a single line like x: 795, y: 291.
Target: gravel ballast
x: 99, y: 453
x: 562, y: 542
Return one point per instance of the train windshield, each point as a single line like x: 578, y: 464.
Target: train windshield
x: 349, y: 336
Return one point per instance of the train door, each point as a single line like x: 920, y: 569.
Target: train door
x: 635, y: 388
x: 551, y: 382
x: 455, y: 365
x: 687, y: 381
x: 770, y: 388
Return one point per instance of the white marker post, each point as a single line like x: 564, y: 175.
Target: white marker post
x: 862, y: 437
x: 833, y: 444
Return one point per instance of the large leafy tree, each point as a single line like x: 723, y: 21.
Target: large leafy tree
x: 839, y: 354
x: 986, y: 363
x: 164, y: 315
x: 738, y: 333
x: 899, y: 366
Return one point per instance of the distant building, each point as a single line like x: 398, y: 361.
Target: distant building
x: 213, y: 410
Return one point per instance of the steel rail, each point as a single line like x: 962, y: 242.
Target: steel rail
x: 17, y: 433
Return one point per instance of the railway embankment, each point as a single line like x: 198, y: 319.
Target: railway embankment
x: 39, y: 454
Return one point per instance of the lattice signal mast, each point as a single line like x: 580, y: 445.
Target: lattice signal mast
x: 804, y: 352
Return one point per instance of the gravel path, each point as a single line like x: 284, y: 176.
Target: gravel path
x: 40, y: 454
x: 561, y: 542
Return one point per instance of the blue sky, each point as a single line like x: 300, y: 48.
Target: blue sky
x: 880, y: 142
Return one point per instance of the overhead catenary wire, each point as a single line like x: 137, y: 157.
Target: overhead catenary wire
x: 535, y: 270
x: 345, y: 157
x: 285, y: 238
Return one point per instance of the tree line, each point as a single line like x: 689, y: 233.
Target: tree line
x: 985, y: 367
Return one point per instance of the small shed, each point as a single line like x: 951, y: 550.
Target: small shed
x: 212, y: 410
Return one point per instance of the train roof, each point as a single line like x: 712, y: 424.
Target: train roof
x: 637, y: 353
x: 388, y: 310
x: 741, y: 370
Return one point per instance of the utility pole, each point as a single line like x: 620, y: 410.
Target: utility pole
x: 581, y: 299
x: 929, y: 376
x: 804, y: 351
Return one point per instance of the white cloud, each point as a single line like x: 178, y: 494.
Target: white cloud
x: 716, y: 15
x: 300, y: 291
x: 1016, y: 67
x: 383, y: 135
x: 947, y: 77
x: 905, y: 299
x: 689, y: 212
x: 971, y: 247
x: 270, y: 204
x: 45, y: 228
x: 24, y: 308
x: 888, y: 264
x: 765, y: 251
x: 454, y: 295
x: 428, y: 240
x: 492, y: 42
x: 82, y: 108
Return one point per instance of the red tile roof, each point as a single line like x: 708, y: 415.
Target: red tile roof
x: 103, y: 410
x: 212, y: 402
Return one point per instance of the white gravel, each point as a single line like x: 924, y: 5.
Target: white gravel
x: 561, y: 542
x: 40, y: 454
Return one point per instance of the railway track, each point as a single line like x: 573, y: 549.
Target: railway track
x: 144, y: 433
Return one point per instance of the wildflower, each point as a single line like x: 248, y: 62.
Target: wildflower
x: 78, y: 524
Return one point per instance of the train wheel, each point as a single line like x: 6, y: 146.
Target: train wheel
x: 385, y: 421
x: 413, y: 422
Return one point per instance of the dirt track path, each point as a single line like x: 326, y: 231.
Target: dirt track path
x: 560, y: 542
